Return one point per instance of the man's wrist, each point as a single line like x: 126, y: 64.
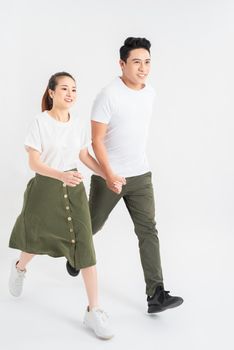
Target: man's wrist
x: 109, y: 176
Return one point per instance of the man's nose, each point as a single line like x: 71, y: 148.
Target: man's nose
x: 141, y: 67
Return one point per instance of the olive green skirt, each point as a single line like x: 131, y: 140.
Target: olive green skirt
x: 55, y: 220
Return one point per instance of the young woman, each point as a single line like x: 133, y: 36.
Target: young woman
x: 55, y: 218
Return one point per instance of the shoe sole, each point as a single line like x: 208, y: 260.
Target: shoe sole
x: 12, y: 291
x: 154, y: 309
x: 14, y: 294
x: 71, y: 273
x: 98, y: 336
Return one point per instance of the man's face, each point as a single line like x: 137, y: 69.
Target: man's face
x: 137, y: 67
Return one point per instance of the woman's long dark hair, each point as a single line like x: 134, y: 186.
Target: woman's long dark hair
x: 47, y: 102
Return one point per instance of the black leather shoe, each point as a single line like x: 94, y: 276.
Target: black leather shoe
x: 162, y: 300
x: 71, y: 270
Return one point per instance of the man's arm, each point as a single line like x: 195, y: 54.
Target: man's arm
x: 98, y: 134
x: 90, y: 162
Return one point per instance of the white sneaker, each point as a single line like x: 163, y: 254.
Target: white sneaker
x: 16, y: 280
x: 97, y: 320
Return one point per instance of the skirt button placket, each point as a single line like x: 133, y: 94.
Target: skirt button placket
x: 68, y: 213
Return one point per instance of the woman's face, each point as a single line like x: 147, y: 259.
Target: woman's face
x: 64, y: 95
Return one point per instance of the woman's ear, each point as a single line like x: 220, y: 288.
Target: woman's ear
x: 51, y: 93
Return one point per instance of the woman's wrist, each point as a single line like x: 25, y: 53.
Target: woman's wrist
x: 58, y: 175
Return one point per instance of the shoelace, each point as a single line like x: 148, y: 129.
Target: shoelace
x: 20, y: 277
x: 102, y: 315
x: 164, y: 294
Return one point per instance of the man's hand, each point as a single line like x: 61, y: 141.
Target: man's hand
x: 115, y: 183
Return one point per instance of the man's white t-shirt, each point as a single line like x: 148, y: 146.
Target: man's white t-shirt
x: 59, y: 143
x: 127, y: 113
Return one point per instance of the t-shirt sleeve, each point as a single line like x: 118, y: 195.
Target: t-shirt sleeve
x: 33, y: 138
x: 155, y: 102
x: 101, y: 111
x: 85, y: 138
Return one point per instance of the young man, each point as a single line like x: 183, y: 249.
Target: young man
x: 120, y: 120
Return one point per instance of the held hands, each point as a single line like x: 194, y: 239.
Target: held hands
x: 71, y: 178
x: 115, y: 183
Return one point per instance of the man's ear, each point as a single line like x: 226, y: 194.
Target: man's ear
x: 122, y: 64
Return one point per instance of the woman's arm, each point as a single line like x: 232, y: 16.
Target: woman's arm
x: 70, y: 178
x: 90, y: 162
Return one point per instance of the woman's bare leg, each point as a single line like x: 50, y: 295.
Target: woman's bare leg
x: 24, y: 259
x: 89, y: 275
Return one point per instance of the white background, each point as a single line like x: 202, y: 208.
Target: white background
x: 190, y: 150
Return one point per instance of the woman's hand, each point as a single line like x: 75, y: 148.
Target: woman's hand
x: 71, y: 178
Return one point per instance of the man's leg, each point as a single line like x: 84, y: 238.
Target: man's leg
x: 101, y: 202
x: 139, y: 200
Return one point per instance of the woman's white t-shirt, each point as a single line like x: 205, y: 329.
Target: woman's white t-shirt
x: 59, y: 143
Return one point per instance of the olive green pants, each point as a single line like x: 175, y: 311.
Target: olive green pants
x: 138, y: 196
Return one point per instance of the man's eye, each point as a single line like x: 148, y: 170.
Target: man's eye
x: 73, y: 90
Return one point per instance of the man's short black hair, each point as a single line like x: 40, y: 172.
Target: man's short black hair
x: 132, y: 44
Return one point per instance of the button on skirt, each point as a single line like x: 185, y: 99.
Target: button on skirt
x: 55, y: 220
